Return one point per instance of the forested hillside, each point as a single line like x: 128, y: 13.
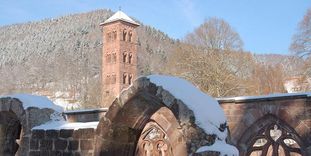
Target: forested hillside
x: 63, y: 55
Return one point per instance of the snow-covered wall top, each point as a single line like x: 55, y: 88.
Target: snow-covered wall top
x: 29, y: 100
x: 58, y: 125
x: 261, y: 97
x: 208, y: 113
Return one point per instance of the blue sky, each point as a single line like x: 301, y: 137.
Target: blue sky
x: 265, y: 26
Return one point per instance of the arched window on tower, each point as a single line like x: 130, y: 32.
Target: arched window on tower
x: 130, y: 79
x: 108, y: 58
x: 124, y: 35
x: 130, y: 58
x: 124, y: 57
x: 124, y: 78
x: 109, y: 37
x: 113, y: 78
x: 130, y: 36
x: 114, y: 35
x: 114, y: 58
x: 107, y: 79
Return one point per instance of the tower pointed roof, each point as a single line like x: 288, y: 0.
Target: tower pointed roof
x: 119, y: 15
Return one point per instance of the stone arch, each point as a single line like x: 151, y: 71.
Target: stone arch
x: 129, y: 122
x: 261, y: 129
x: 143, y: 104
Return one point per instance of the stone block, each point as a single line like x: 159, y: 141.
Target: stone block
x: 87, y: 133
x: 68, y: 154
x: 77, y: 154
x: 37, y: 134
x: 65, y: 133
x: 34, y: 144
x: 142, y: 83
x: 73, y: 145
x: 5, y: 104
x: 152, y: 89
x: 86, y: 153
x: 17, y: 107
x: 60, y: 144
x: 45, y: 152
x: 38, y: 116
x: 46, y: 144
x: 86, y: 145
x: 127, y: 94
x: 51, y: 134
x: 113, y: 110
x: 167, y: 98
x: 34, y: 153
x: 55, y: 153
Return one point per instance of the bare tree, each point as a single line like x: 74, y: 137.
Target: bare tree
x: 267, y: 79
x: 219, y: 74
x: 214, y: 34
x: 210, y: 57
x: 301, y: 42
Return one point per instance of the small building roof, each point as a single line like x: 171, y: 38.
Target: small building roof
x: 119, y: 15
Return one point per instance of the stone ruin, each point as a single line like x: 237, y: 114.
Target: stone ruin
x: 144, y: 120
x: 147, y: 120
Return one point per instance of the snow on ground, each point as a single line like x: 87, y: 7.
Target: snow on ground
x: 209, y: 115
x: 65, y: 104
x: 222, y: 146
x: 29, y: 100
x: 57, y: 125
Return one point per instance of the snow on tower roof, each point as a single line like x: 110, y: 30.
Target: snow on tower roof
x: 119, y: 15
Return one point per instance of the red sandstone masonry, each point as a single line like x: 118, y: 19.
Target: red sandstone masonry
x: 295, y: 111
x: 117, y: 46
x: 62, y: 142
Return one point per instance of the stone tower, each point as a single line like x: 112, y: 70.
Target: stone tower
x: 119, y: 56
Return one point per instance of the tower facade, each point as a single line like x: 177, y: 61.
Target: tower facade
x: 119, y: 55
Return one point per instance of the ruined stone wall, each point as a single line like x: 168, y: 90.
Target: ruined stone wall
x: 247, y: 116
x: 62, y: 142
x: 145, y: 104
x: 16, y: 123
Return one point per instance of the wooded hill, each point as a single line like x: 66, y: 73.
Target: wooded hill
x: 64, y: 54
